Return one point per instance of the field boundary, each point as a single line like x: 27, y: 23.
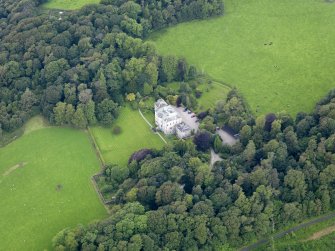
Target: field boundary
x: 102, y: 166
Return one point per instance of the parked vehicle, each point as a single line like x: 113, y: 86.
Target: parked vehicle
x: 189, y: 112
x: 193, y: 116
x: 185, y: 110
x: 197, y: 120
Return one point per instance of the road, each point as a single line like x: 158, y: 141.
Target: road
x: 290, y: 230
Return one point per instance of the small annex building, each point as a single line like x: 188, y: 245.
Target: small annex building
x: 167, y: 119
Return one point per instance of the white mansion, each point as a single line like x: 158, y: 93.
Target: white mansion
x: 169, y: 121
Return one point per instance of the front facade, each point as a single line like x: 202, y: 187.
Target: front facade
x: 167, y: 118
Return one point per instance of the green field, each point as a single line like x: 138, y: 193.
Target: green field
x: 45, y: 186
x: 279, y: 54
x: 68, y: 4
x: 299, y: 240
x: 135, y: 135
x: 211, y: 94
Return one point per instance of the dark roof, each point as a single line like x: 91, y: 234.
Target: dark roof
x: 229, y: 130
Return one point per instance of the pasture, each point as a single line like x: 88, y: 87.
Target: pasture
x: 45, y: 186
x: 68, y: 4
x: 135, y: 135
x: 279, y: 54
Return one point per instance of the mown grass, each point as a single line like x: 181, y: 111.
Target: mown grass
x: 68, y: 4
x: 45, y: 186
x: 279, y: 54
x: 135, y: 135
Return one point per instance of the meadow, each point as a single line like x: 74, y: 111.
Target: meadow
x: 45, y: 186
x: 279, y: 54
x: 68, y: 4
x: 135, y: 135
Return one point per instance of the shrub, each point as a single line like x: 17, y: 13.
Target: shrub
x: 116, y: 130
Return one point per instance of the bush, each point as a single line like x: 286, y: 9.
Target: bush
x: 116, y: 130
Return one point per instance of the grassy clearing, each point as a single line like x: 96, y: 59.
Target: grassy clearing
x: 299, y: 240
x: 68, y: 4
x: 135, y: 135
x: 47, y: 186
x: 279, y: 54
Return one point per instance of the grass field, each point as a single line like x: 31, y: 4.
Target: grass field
x: 45, y: 186
x: 299, y: 239
x: 68, y: 4
x: 135, y: 135
x: 279, y: 54
x: 211, y: 95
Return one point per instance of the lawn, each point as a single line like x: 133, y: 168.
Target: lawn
x: 68, y: 4
x: 279, y: 54
x: 45, y: 186
x: 135, y: 135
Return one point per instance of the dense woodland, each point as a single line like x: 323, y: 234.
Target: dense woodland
x: 79, y: 67
x: 278, y: 173
x: 76, y: 68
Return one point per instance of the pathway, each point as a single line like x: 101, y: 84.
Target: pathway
x: 214, y: 157
x: 290, y: 230
x: 145, y: 119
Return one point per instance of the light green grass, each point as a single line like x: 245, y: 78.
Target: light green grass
x: 292, y: 74
x: 211, y: 94
x: 68, y: 4
x: 32, y: 209
x: 136, y: 134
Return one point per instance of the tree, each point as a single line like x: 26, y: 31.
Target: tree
x: 217, y: 145
x: 79, y: 120
x: 295, y: 186
x: 131, y: 97
x: 168, y: 193
x: 107, y: 111
x: 147, y: 89
x: 69, y: 112
x: 250, y: 151
x: 89, y: 111
x: 55, y: 69
x: 202, y: 140
x: 28, y: 99
x: 168, y: 68
x: 59, y: 113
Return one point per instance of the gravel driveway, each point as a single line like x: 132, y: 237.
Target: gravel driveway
x: 187, y: 118
x: 226, y: 137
